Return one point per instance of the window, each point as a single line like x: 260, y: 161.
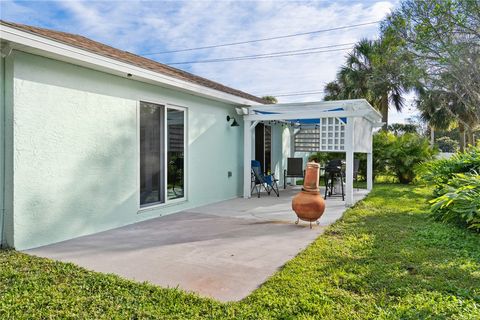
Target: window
x: 162, y: 151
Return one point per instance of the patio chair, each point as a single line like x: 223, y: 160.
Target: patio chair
x: 294, y: 170
x: 259, y: 180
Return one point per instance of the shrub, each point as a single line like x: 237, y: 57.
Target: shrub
x: 447, y: 144
x: 408, y: 151
x: 393, y: 155
x: 457, y: 187
x: 323, y: 157
x: 400, y: 154
x: 381, y: 145
x: 440, y: 172
x: 460, y: 201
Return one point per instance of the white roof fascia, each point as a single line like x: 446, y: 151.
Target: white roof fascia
x: 348, y: 105
x: 353, y: 108
x: 31, y: 43
x: 318, y: 105
x: 305, y: 115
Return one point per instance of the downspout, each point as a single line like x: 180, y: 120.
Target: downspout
x: 2, y: 147
x: 6, y: 51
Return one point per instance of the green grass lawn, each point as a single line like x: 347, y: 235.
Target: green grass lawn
x: 384, y: 259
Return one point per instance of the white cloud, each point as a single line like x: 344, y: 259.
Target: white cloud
x: 157, y: 26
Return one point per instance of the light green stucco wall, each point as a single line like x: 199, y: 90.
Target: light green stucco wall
x: 76, y: 151
x: 2, y: 146
x: 6, y: 139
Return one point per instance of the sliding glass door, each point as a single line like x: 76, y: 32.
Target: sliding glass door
x: 175, y: 153
x: 162, y: 152
x: 152, y: 153
x: 263, y: 146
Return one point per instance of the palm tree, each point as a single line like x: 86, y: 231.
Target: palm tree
x: 441, y: 109
x: 270, y: 99
x: 333, y: 91
x: 433, y: 105
x: 376, y: 70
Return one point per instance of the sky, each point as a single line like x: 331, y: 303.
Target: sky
x: 145, y: 27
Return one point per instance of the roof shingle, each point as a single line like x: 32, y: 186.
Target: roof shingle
x: 127, y: 57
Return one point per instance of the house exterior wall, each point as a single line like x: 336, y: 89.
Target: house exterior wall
x: 2, y: 147
x: 6, y: 142
x: 76, y: 158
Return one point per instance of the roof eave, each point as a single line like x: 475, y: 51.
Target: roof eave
x: 353, y: 108
x: 31, y: 43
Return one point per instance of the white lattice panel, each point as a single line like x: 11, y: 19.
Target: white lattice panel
x: 332, y: 134
x: 328, y: 135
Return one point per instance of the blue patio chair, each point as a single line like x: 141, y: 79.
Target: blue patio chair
x: 259, y: 180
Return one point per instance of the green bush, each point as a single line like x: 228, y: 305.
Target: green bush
x: 440, y: 172
x: 447, y: 144
x: 457, y: 188
x: 400, y: 154
x: 323, y: 157
x: 460, y: 201
x: 381, y: 145
x: 393, y: 155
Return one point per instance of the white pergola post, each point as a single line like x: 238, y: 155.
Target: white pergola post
x: 369, y: 171
x: 247, y: 157
x: 292, y: 152
x: 370, y: 163
x: 349, y: 134
x: 292, y: 141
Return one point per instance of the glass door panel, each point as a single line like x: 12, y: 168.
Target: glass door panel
x: 175, y: 153
x: 151, y: 154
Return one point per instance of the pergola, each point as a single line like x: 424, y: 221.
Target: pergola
x: 342, y: 126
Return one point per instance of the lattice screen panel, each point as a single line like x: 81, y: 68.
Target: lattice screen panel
x: 332, y: 134
x: 328, y: 135
x: 307, y: 139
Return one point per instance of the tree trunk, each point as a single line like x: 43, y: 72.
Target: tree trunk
x: 461, y: 131
x: 384, y: 112
x: 432, y: 136
x: 469, y: 136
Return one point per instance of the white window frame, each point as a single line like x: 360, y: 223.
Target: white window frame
x: 167, y: 202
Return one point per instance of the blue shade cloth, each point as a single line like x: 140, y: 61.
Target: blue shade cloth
x: 340, y: 109
x: 305, y: 121
x: 266, y: 112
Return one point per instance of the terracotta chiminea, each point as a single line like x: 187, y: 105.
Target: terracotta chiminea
x: 309, y: 204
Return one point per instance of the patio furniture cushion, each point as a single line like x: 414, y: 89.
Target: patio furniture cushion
x: 294, y: 170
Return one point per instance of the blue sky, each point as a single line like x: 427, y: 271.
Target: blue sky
x: 154, y: 26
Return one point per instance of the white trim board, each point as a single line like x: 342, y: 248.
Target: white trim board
x: 31, y: 43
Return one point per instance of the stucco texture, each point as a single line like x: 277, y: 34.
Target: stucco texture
x: 2, y: 147
x: 76, y: 151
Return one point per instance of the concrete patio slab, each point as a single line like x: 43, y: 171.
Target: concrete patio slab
x: 223, y: 250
